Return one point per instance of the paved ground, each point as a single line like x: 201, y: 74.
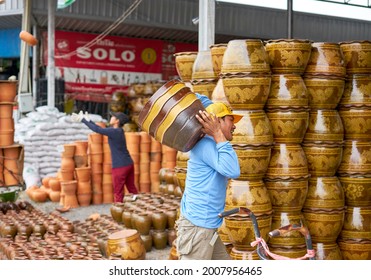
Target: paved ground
x: 83, y: 213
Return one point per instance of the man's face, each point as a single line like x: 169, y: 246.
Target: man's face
x: 227, y: 127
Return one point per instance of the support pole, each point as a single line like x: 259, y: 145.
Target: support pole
x: 52, y: 6
x: 206, y: 26
x: 289, y: 19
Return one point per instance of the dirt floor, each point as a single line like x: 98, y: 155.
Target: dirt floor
x: 82, y: 213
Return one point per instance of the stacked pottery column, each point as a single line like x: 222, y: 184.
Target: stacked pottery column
x: 355, y: 168
x: 324, y: 204
x: 246, y: 79
x: 287, y: 109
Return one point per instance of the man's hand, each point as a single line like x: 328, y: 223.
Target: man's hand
x: 77, y: 117
x: 211, y: 126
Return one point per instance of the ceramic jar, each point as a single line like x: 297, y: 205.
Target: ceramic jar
x: 357, y: 123
x: 143, y: 223
x: 356, y: 159
x: 355, y: 250
x: 327, y: 251
x: 357, y: 56
x: 203, y: 67
x: 159, y: 220
x: 357, y: 224
x: 116, y: 211
x: 357, y: 190
x: 184, y: 64
x: 127, y: 243
x: 159, y: 239
x: 357, y: 91
x: 217, y: 53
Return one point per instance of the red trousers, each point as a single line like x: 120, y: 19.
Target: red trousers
x: 122, y: 176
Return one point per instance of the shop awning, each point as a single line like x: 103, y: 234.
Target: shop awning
x: 10, y: 43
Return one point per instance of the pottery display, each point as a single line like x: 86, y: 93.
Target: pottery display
x: 357, y: 56
x: 217, y: 53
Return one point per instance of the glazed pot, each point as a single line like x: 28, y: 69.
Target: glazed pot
x: 357, y: 123
x: 287, y: 195
x: 357, y: 91
x: 147, y: 241
x: 325, y: 126
x: 356, y: 159
x: 243, y: 255
x: 205, y: 87
x: 217, y: 53
x: 218, y: 94
x: 323, y: 160
x: 203, y: 66
x: 326, y: 59
x: 127, y: 243
x: 253, y: 129
x: 250, y: 194
x: 159, y: 220
x: 324, y: 92
x: 292, y: 253
x: 143, y: 223
x: 246, y: 92
x: 184, y: 64
x: 357, y: 224
x: 159, y: 238
x: 325, y: 193
x: 357, y: 190
x: 245, y: 56
x: 288, y: 55
x: 357, y: 56
x: 182, y: 159
x: 287, y: 91
x: 355, y: 250
x: 327, y: 251
x: 289, y: 125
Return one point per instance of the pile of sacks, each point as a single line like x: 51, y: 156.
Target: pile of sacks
x: 43, y: 133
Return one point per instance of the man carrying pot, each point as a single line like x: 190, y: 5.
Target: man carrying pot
x: 122, y: 163
x: 212, y: 161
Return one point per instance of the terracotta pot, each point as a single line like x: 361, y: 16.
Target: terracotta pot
x: 69, y: 187
x: 67, y: 163
x: 55, y: 196
x: 356, y: 159
x: 289, y: 126
x: 253, y: 129
x: 355, y: 250
x: 81, y: 161
x: 6, y: 137
x: 357, y: 190
x: 288, y: 55
x: 95, y: 148
x: 81, y: 148
x: 203, y: 66
x: 96, y: 158
x: 8, y: 90
x: 6, y: 124
x: 184, y: 64
x: 287, y: 91
x: 325, y: 126
x: 357, y: 91
x: 288, y: 161
x: 95, y: 138
x: 6, y: 109
x: 357, y: 55
x: 245, y: 56
x: 69, y: 150
x: 327, y: 251
x: 97, y: 198
x: 326, y: 59
x: 357, y: 123
x: 84, y: 187
x: 325, y: 193
x: 84, y: 199
x: 127, y: 243
x: 287, y: 195
x: 217, y: 53
x: 357, y: 224
x: 83, y: 174
x: 39, y: 195
x: 324, y: 92
x: 250, y: 194
x: 67, y: 175
x: 12, y: 152
x: 323, y: 160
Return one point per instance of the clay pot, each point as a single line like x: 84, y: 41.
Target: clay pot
x: 67, y: 174
x: 288, y: 252
x: 39, y: 195
x: 288, y: 55
x: 325, y: 193
x: 184, y: 64
x: 288, y: 161
x: 95, y: 138
x: 81, y: 148
x: 324, y: 226
x: 357, y: 224
x: 250, y: 194
x: 8, y: 90
x: 323, y: 160
x: 28, y: 38
x: 6, y: 109
x: 84, y: 199
x: 203, y: 67
x: 205, y: 87
x: 8, y: 229
x: 357, y: 123
x: 327, y: 251
x: 245, y: 56
x: 356, y: 54
x: 143, y: 223
x: 355, y: 250
x: 243, y: 255
x: 357, y: 191
x: 326, y: 59
x: 6, y: 137
x: 325, y: 126
x: 55, y: 196
x: 217, y: 53
x: 69, y: 187
x: 117, y: 210
x: 127, y: 243
x: 357, y: 91
x: 81, y: 161
x: 241, y: 232
x: 253, y: 129
x: 288, y: 126
x: 69, y: 150
x: 67, y: 163
x: 126, y: 218
x: 324, y: 92
x: 7, y: 124
x: 287, y: 91
x: 287, y: 195
x: 253, y: 161
x: 356, y: 159
x: 159, y: 220
x: 54, y: 184
x: 159, y: 238
x: 83, y: 174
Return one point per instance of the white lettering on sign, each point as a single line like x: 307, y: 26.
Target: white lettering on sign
x: 104, y: 54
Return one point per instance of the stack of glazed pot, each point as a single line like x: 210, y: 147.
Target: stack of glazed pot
x: 287, y: 109
x: 355, y: 168
x: 324, y: 205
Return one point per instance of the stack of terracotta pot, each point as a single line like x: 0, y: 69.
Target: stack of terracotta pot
x: 95, y: 156
x: 355, y: 168
x: 8, y: 91
x: 84, y: 188
x: 155, y: 164
x: 145, y: 149
x: 107, y: 183
x: 11, y: 165
x: 324, y: 205
x: 133, y: 145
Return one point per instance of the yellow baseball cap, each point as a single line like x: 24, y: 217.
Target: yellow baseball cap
x: 221, y: 110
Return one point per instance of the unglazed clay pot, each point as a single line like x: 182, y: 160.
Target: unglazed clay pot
x: 357, y: 56
x: 8, y: 90
x: 127, y: 243
x: 357, y: 190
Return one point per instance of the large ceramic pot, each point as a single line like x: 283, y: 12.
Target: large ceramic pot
x: 287, y: 195
x: 243, y: 255
x: 241, y: 230
x: 245, y: 56
x: 205, y: 87
x: 289, y: 125
x: 127, y: 243
x: 324, y: 226
x: 357, y: 224
x: 253, y: 161
x: 116, y: 211
x: 357, y: 123
x: 356, y: 159
x: 203, y: 66
x: 250, y: 194
x: 184, y: 64
x: 324, y: 92
x: 357, y: 190
x: 323, y: 160
x: 355, y: 250
x: 325, y: 193
x: 325, y: 126
x: 287, y: 91
x: 246, y: 92
x: 357, y: 91
x: 357, y: 56
x: 288, y: 161
x: 327, y: 251
x: 288, y: 55
x: 217, y: 53
x: 326, y: 59
x: 253, y: 129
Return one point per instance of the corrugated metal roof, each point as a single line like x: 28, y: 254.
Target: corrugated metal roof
x: 171, y: 20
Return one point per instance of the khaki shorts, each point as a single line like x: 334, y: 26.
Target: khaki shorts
x: 195, y: 243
